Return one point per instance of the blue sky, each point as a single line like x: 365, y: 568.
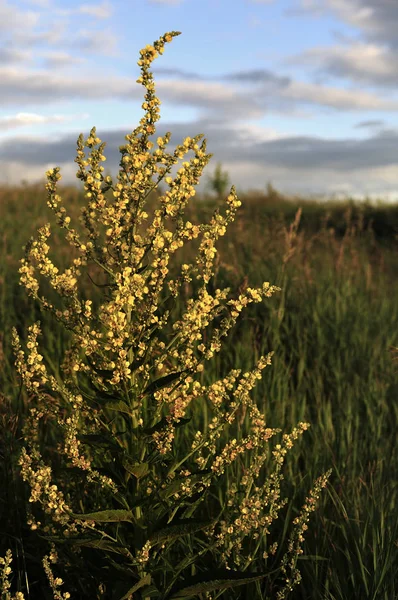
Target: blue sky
x: 300, y: 93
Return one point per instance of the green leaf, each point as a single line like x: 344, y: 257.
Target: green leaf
x: 101, y: 544
x: 137, y: 469
x: 141, y: 583
x: 188, y: 560
x: 212, y: 581
x: 197, y: 498
x: 96, y: 439
x: 137, y: 363
x: 312, y: 557
x: 119, y: 406
x: 178, y: 529
x: 106, y: 516
x: 162, y: 382
x: 142, y: 269
x: 150, y: 592
x: 121, y: 500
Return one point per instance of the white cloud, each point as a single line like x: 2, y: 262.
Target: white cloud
x: 40, y: 3
x: 283, y: 93
x: 225, y: 104
x: 166, y: 2
x: 251, y: 154
x: 221, y: 99
x: 213, y: 98
x: 23, y: 86
x: 60, y: 59
x: 359, y: 61
x: 254, y: 22
x: 25, y: 119
x: 13, y: 172
x: 100, y: 11
x: 354, y: 11
x: 14, y: 19
x: 280, y: 95
x: 377, y: 20
x: 379, y: 182
x: 10, y: 54
x: 97, y: 41
x: 371, y: 59
x: 247, y: 134
x: 28, y: 37
x: 337, y: 98
x: 21, y: 29
x: 373, y: 123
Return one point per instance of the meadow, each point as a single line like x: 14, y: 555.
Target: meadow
x: 332, y: 330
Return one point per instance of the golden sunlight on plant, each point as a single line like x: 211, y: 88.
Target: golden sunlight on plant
x: 134, y: 502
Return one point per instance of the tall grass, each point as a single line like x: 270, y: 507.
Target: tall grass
x: 332, y: 332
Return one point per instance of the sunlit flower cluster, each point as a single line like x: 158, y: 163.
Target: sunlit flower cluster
x: 55, y: 582
x: 133, y: 368
x: 289, y: 561
x: 32, y: 370
x: 5, y: 584
x: 261, y: 504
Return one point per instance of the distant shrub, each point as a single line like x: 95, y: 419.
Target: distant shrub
x: 218, y: 183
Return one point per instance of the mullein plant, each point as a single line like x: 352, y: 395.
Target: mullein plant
x: 131, y: 499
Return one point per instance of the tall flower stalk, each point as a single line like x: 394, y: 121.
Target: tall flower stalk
x: 133, y: 502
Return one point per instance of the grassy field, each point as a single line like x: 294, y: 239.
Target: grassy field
x: 332, y: 328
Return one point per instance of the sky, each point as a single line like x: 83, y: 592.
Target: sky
x: 301, y: 94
